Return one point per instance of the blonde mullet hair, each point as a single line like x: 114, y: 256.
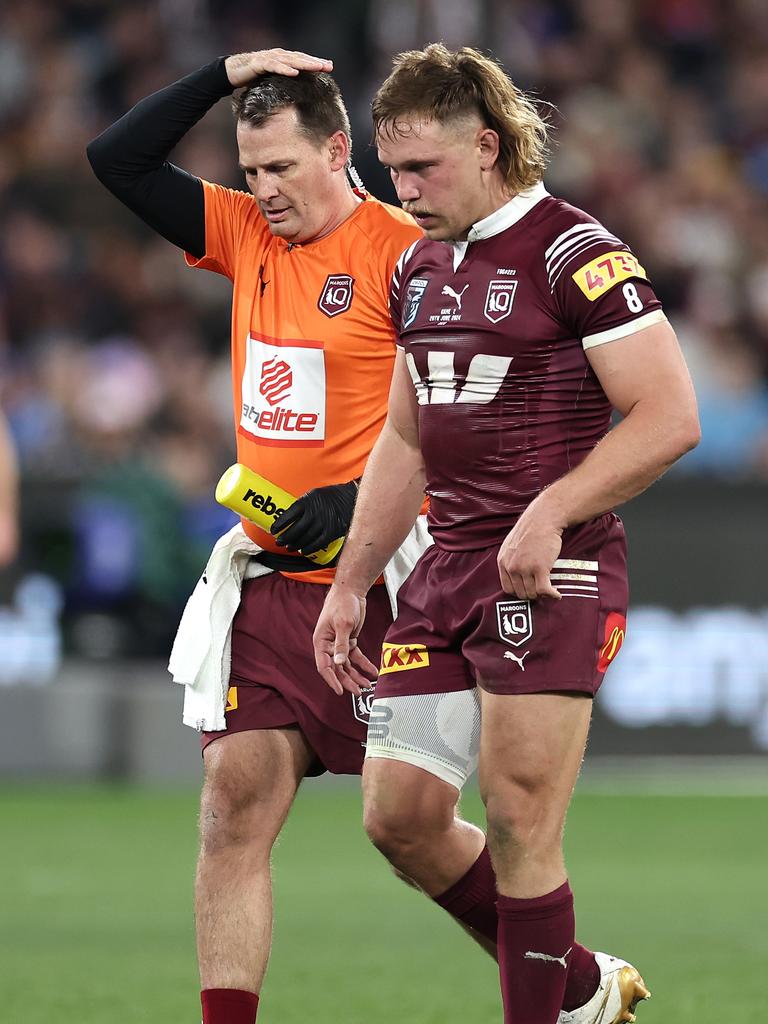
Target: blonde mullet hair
x: 442, y: 85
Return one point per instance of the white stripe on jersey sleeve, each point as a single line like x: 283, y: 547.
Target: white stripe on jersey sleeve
x: 592, y: 234
x: 656, y: 316
x: 566, y: 237
x: 397, y: 273
x: 394, y: 285
x: 584, y: 244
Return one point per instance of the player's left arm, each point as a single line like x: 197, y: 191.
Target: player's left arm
x: 645, y: 378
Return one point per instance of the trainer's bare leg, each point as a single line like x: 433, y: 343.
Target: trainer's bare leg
x: 251, y: 779
x: 531, y: 748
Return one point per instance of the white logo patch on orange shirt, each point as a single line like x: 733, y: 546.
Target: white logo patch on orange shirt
x: 284, y: 392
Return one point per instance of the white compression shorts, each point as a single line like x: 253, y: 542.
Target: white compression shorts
x: 439, y: 732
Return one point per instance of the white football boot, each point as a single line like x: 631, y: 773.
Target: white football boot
x: 620, y: 990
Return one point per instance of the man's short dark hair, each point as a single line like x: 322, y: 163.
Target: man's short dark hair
x: 316, y: 98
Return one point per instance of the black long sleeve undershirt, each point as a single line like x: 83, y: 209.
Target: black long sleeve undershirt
x: 130, y: 157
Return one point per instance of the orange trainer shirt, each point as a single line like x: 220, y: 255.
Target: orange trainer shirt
x: 313, y: 344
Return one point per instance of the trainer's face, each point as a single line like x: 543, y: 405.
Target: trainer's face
x: 297, y: 181
x: 445, y: 175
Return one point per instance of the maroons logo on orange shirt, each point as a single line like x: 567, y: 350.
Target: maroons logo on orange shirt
x: 336, y: 296
x: 615, y: 631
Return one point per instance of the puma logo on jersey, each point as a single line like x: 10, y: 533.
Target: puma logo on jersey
x: 519, y: 660
x: 484, y: 378
x: 450, y: 293
x: 549, y: 959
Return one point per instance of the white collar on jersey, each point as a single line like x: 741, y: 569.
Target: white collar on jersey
x: 507, y: 215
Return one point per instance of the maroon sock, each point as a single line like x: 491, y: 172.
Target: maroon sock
x: 472, y: 900
x: 535, y: 942
x: 228, y: 1006
x: 582, y: 979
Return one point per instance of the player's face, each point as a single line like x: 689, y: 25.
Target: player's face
x: 444, y: 174
x: 292, y: 177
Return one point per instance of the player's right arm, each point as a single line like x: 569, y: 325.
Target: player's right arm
x: 131, y: 157
x: 389, y: 501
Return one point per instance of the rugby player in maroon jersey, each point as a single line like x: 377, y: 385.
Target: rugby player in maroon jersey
x: 523, y: 324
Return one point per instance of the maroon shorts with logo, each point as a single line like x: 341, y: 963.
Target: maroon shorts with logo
x: 456, y: 628
x: 274, y: 682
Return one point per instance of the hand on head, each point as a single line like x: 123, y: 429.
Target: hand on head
x: 242, y: 68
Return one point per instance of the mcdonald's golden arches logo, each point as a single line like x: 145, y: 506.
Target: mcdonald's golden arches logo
x: 615, y: 631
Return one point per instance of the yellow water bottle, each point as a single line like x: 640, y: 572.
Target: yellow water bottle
x: 260, y: 501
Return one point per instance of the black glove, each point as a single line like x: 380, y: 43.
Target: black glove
x: 316, y: 518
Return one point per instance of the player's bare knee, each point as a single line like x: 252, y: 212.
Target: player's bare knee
x: 521, y: 821
x: 403, y: 832
x: 389, y: 830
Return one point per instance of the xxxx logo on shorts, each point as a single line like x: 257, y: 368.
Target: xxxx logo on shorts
x: 615, y: 631
x: 401, y: 657
x: 231, y: 699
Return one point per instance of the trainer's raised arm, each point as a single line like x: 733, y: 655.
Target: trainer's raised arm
x: 130, y: 158
x: 242, y: 68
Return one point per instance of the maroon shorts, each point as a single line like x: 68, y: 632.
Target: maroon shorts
x: 274, y: 682
x: 456, y: 628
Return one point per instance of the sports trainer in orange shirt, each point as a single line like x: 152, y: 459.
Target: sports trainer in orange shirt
x: 313, y: 347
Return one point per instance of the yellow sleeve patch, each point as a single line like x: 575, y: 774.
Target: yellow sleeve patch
x: 602, y: 273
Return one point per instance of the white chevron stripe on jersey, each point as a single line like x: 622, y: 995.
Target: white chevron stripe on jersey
x: 575, y: 563
x: 566, y: 238
x: 579, y: 245
x: 404, y: 257
x: 589, y: 243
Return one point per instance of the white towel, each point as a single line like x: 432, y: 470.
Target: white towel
x: 202, y: 651
x: 400, y: 565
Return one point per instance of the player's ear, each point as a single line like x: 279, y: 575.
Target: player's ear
x: 488, y: 147
x: 338, y: 149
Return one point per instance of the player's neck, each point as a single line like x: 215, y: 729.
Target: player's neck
x: 496, y: 196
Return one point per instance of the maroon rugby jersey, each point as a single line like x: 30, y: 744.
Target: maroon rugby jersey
x: 495, y: 331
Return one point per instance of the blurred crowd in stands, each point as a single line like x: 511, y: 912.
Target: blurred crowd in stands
x: 114, y: 357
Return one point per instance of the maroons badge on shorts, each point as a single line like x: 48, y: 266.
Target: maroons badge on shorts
x: 361, y: 706
x: 515, y: 621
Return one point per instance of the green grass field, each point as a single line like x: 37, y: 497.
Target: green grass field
x: 96, y: 921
